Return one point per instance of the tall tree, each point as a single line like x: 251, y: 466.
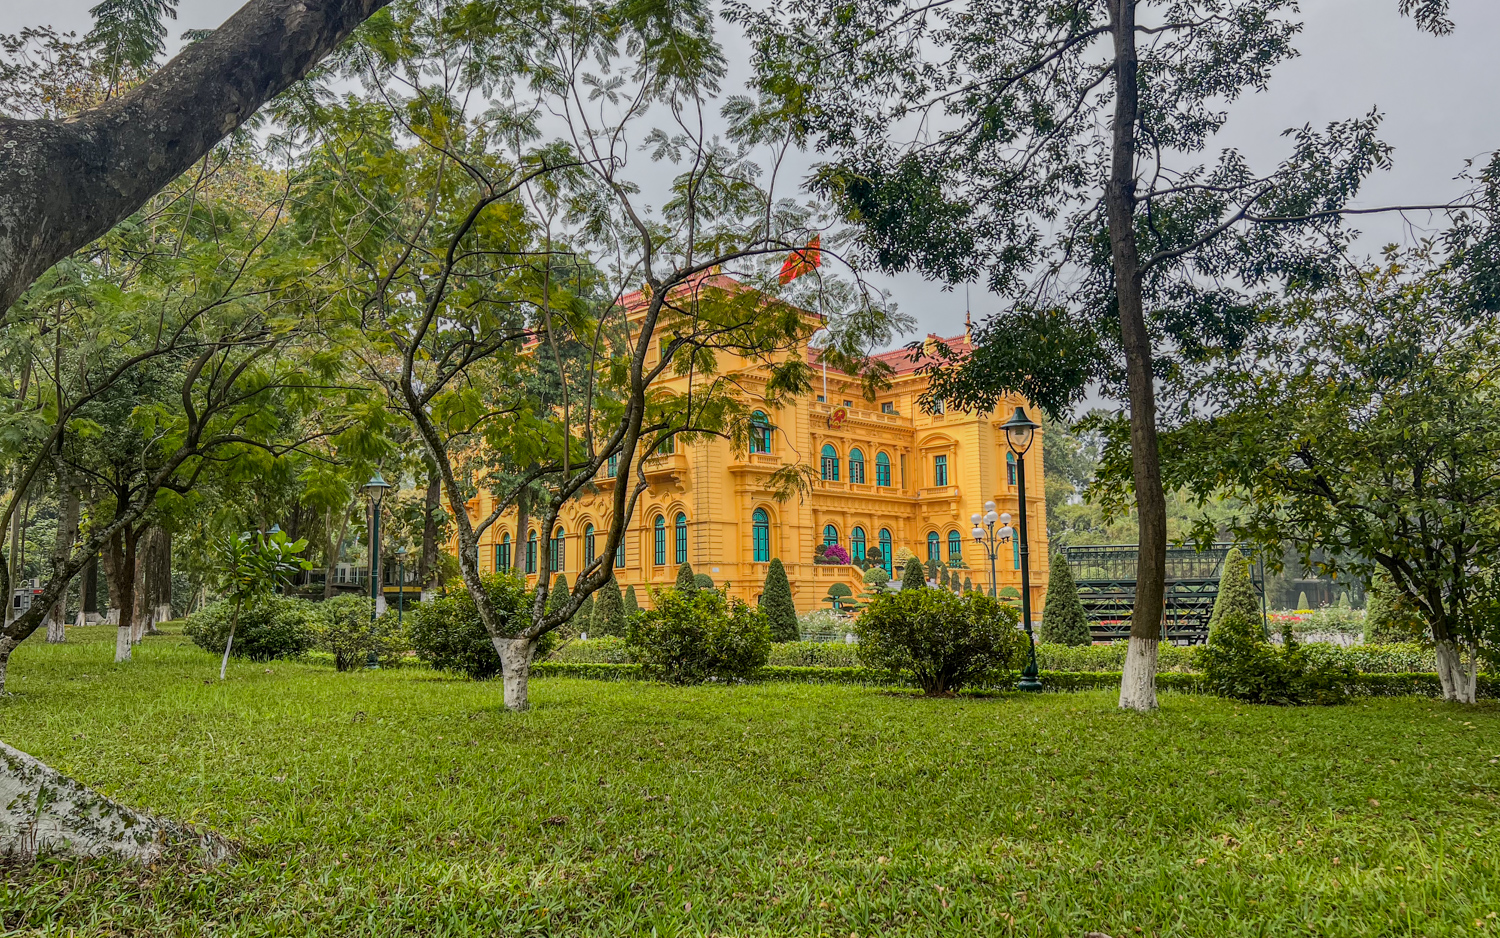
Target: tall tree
x: 471, y: 303
x: 1364, y: 436
x: 1064, y: 165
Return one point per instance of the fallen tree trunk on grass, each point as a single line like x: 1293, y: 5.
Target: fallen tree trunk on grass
x: 43, y: 812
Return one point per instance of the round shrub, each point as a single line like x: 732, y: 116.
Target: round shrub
x: 447, y: 633
x: 1238, y: 662
x: 269, y: 628
x: 343, y: 629
x: 691, y: 637
x: 942, y: 639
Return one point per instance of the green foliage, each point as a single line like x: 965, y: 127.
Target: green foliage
x: 1238, y: 662
x: 1064, y: 621
x: 913, y: 577
x: 609, y: 611
x: 1236, y: 592
x: 776, y: 602
x: 876, y: 578
x: 1302, y: 601
x: 448, y: 634
x: 129, y: 35
x: 343, y: 629
x: 632, y: 607
x: 703, y: 581
x: 691, y: 636
x: 968, y: 585
x: 944, y: 640
x: 269, y: 627
x: 686, y: 581
x: 1389, y: 616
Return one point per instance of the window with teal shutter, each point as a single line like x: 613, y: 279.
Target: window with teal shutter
x: 760, y: 533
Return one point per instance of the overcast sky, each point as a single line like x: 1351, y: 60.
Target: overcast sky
x: 1439, y: 96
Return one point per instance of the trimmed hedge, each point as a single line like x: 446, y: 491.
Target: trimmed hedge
x: 1363, y: 685
x: 1366, y: 659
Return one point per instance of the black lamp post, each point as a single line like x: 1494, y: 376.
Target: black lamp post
x: 375, y: 490
x: 1020, y: 431
x: 400, y: 584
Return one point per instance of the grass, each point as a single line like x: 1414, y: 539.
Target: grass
x: 402, y: 802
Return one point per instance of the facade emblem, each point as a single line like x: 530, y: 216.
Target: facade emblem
x: 837, y: 417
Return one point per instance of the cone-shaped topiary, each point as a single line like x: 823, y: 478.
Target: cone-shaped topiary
x: 776, y: 603
x: 913, y: 577
x: 685, y: 580
x: 609, y: 610
x: 931, y: 568
x: 968, y: 585
x: 558, y: 595
x: 1236, y: 592
x: 1302, y: 601
x: 583, y: 619
x: 1064, y: 621
x: 632, y: 606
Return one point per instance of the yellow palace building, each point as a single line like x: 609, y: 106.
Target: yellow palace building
x: 889, y: 476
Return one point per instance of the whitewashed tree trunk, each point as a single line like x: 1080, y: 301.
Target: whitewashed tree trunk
x: 122, y: 643
x: 1138, y: 682
x: 1459, y: 679
x: 44, y: 812
x: 112, y: 615
x: 515, y: 658
x: 163, y: 613
x: 57, y: 628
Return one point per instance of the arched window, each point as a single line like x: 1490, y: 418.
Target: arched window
x: 760, y: 535
x: 556, y: 559
x: 885, y: 549
x: 679, y: 536
x: 882, y: 470
x: 531, y: 552
x: 1015, y: 552
x: 856, y: 538
x: 659, y: 532
x: 830, y: 535
x: 932, y: 547
x: 955, y: 547
x: 1010, y: 468
x: 856, y: 466
x: 760, y: 433
x: 588, y: 545
x: 502, y: 552
x: 830, y: 463
x: 620, y: 555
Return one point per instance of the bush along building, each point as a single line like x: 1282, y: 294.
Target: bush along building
x: 888, y: 476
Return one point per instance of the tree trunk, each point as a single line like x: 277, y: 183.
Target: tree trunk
x: 515, y: 663
x: 1459, y: 680
x: 1138, y: 682
x: 428, y: 563
x: 153, y: 565
x: 7, y: 645
x: 335, y: 552
x: 139, y: 608
x: 67, y: 533
x: 523, y: 521
x: 45, y: 812
x: 88, y: 594
x: 64, y: 183
x: 119, y: 570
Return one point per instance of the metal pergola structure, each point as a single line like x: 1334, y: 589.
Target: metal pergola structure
x: 1106, y: 576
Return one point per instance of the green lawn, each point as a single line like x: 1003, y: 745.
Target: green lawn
x: 402, y: 802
